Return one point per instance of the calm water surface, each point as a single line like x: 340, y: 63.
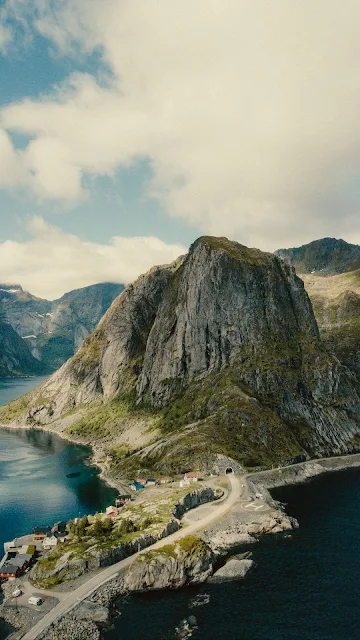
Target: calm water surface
x: 304, y: 588
x: 42, y: 477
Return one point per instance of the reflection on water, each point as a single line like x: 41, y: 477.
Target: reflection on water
x: 43, y: 478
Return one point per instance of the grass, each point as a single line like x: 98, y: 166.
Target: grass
x: 188, y: 545
x: 236, y: 250
x: 14, y: 409
x: 100, y: 421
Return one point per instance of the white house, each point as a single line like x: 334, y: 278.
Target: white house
x: 191, y: 476
x: 49, y: 542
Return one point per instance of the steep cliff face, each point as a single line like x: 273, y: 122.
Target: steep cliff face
x: 15, y: 357
x: 224, y: 300
x: 224, y: 348
x: 327, y: 256
x: 55, y: 330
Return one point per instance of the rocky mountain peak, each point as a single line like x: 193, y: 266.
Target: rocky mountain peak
x: 223, y: 300
x: 327, y: 256
x: 10, y: 288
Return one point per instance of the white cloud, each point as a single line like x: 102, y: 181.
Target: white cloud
x: 247, y: 110
x: 53, y: 262
x: 5, y: 36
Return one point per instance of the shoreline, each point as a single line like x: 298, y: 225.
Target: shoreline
x: 266, y: 479
x: 301, y: 472
x: 91, y: 461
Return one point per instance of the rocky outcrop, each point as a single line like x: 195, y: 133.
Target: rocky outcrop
x: 234, y: 532
x: 234, y: 569
x: 190, y: 561
x: 193, y: 499
x: 15, y: 357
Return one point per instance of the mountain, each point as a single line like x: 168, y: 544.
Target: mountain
x: 331, y: 274
x: 15, y: 357
x: 327, y: 256
x: 217, y: 354
x: 55, y: 330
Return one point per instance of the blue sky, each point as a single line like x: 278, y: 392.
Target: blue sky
x: 116, y: 205
x: 127, y: 129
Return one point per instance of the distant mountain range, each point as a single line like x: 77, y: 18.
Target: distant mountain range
x: 53, y: 331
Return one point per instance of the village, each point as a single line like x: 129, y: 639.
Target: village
x: 21, y: 554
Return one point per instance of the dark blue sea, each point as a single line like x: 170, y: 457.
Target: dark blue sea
x: 306, y: 587
x: 42, y: 477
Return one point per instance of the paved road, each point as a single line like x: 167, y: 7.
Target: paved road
x: 71, y: 600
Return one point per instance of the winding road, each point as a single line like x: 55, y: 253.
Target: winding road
x: 72, y: 599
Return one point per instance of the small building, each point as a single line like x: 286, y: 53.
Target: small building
x: 59, y: 529
x: 111, y: 512
x: 10, y: 545
x: 9, y: 571
x: 141, y: 481
x: 50, y: 542
x: 39, y: 533
x: 191, y: 476
x: 165, y: 479
x: 136, y: 486
x: 109, y: 458
x: 121, y: 500
x: 21, y: 560
x: 151, y: 482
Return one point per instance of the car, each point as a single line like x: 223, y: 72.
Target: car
x: 35, y: 600
x: 17, y: 593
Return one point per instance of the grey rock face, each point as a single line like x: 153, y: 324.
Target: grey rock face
x: 161, y: 570
x: 220, y: 303
x: 15, y: 357
x: 55, y: 330
x: 234, y: 569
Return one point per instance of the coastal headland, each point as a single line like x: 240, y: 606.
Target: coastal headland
x: 243, y: 514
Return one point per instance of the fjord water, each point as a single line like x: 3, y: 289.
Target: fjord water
x: 305, y: 587
x: 43, y: 478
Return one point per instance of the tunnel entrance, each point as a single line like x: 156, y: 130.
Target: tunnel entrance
x: 229, y: 470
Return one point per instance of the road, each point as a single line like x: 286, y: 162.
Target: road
x: 71, y: 600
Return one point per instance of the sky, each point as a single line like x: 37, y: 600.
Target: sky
x: 128, y: 128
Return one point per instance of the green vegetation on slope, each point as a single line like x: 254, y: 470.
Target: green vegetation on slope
x: 236, y: 250
x: 101, y: 420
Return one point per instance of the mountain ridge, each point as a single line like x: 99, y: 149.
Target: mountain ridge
x: 216, y: 354
x: 326, y: 256
x: 55, y: 329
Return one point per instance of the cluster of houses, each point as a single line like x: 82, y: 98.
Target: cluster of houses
x: 20, y: 557
x: 141, y: 483
x: 16, y: 560
x: 50, y: 536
